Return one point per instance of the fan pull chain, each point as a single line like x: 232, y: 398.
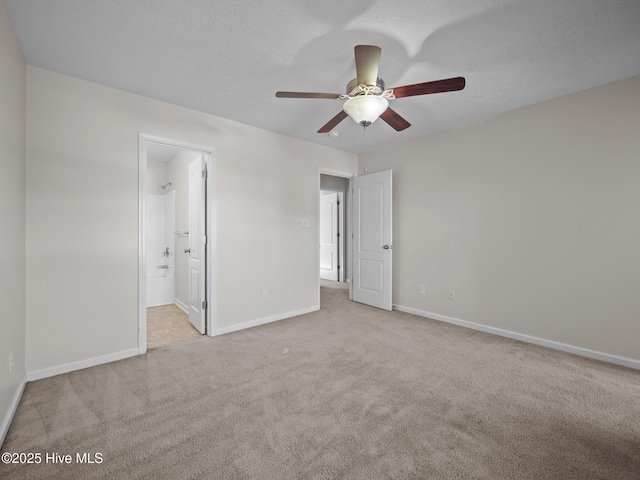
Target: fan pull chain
x: 364, y: 138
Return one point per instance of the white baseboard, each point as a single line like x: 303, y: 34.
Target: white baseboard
x: 182, y: 306
x: 262, y: 321
x: 583, y: 352
x: 6, y: 421
x: 72, y: 366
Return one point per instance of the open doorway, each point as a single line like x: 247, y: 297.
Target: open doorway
x: 167, y: 243
x: 332, y: 234
x: 176, y: 248
x: 333, y: 228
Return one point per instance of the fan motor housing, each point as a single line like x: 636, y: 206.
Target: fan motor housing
x: 355, y: 88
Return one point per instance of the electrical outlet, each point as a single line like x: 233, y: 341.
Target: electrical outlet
x: 265, y: 294
x: 421, y: 289
x: 452, y: 294
x: 11, y: 361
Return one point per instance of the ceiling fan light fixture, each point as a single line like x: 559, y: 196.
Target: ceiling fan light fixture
x: 367, y: 99
x: 365, y: 109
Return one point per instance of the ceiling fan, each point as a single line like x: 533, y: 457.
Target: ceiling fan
x: 366, y: 97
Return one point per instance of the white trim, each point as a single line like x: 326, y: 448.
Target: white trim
x: 212, y: 241
x: 350, y: 238
x: 142, y: 250
x: 211, y: 251
x: 72, y: 366
x: 262, y: 321
x: 182, y: 306
x: 335, y: 173
x: 8, y: 418
x: 583, y: 352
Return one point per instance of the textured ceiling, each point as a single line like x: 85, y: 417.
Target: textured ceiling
x: 229, y: 57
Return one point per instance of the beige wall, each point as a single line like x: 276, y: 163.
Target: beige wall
x: 336, y: 183
x: 82, y: 215
x: 12, y: 222
x: 531, y: 217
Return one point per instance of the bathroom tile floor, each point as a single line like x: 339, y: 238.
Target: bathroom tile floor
x: 168, y: 324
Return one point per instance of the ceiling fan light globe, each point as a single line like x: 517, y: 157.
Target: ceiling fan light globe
x: 365, y: 109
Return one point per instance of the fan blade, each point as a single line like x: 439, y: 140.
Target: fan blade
x: 438, y: 86
x: 367, y: 63
x: 306, y: 95
x: 333, y: 122
x: 395, y: 120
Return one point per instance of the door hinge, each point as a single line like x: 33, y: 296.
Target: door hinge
x: 338, y: 234
x: 204, y: 304
x: 204, y: 239
x: 204, y: 174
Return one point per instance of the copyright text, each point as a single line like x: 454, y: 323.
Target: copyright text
x: 52, y: 458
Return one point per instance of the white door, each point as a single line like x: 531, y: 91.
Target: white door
x: 329, y: 258
x: 197, y: 244
x: 372, y: 239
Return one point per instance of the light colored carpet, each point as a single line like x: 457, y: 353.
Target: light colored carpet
x: 168, y: 324
x: 347, y: 392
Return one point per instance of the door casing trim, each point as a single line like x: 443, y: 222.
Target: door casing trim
x: 211, y: 247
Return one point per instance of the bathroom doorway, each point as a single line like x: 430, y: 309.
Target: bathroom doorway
x: 177, y: 210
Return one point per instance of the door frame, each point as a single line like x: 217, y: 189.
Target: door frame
x: 348, y: 228
x: 341, y: 228
x: 211, y: 220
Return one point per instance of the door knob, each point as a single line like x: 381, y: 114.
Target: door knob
x: 386, y: 247
x: 187, y: 250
